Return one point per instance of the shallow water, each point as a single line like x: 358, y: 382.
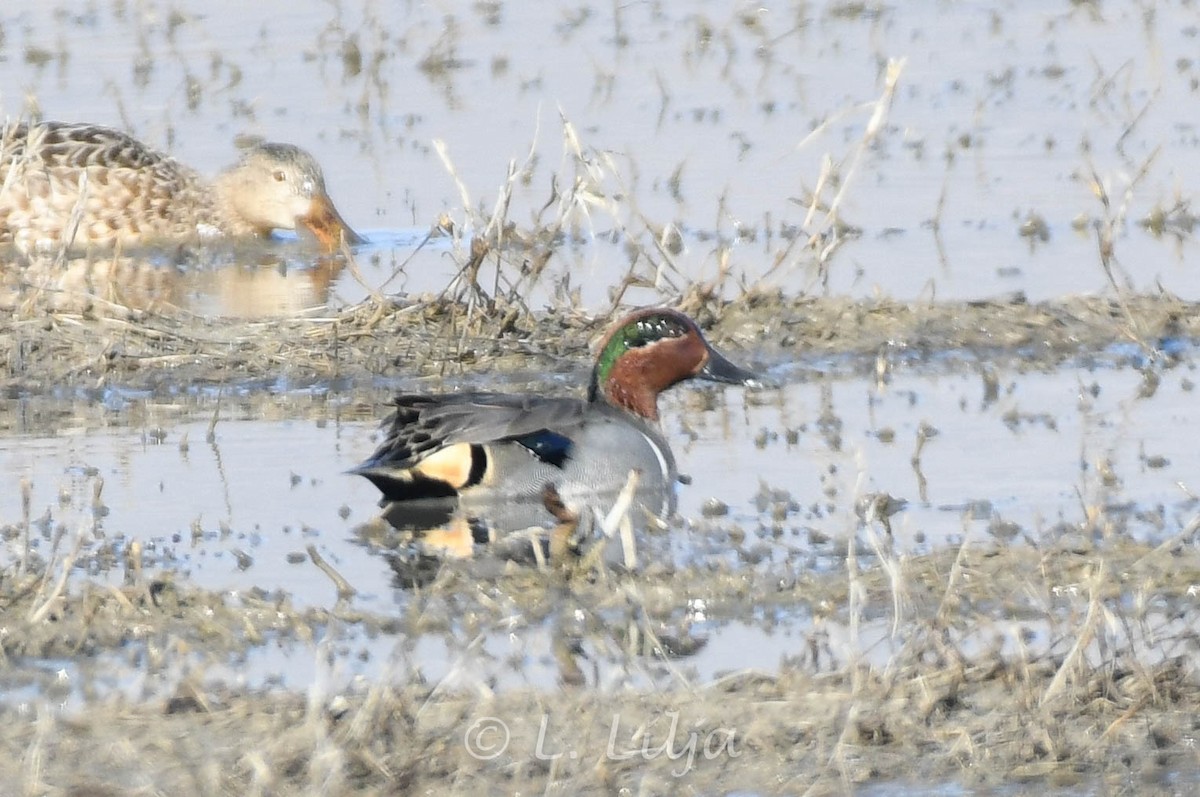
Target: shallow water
x: 701, y: 117
x: 1024, y: 466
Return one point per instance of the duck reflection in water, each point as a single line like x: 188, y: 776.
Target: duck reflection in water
x: 93, y: 219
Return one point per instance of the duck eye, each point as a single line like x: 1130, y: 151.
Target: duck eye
x: 279, y: 175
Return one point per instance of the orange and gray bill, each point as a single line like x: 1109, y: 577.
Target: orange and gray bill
x: 324, y: 221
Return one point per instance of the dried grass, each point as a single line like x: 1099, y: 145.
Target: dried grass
x: 1105, y: 693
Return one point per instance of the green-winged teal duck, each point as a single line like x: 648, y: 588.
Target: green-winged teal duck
x: 84, y: 186
x: 489, y: 448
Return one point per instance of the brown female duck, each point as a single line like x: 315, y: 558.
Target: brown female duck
x: 77, y: 186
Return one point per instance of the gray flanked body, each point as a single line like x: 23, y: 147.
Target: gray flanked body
x: 492, y: 454
x: 605, y: 449
x: 508, y: 448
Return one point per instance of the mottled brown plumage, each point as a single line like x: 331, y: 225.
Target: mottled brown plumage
x: 80, y: 186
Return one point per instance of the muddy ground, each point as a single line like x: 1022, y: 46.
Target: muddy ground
x: 1068, y: 666
x: 421, y: 336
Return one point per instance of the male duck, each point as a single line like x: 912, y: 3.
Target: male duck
x: 493, y: 449
x: 85, y: 185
